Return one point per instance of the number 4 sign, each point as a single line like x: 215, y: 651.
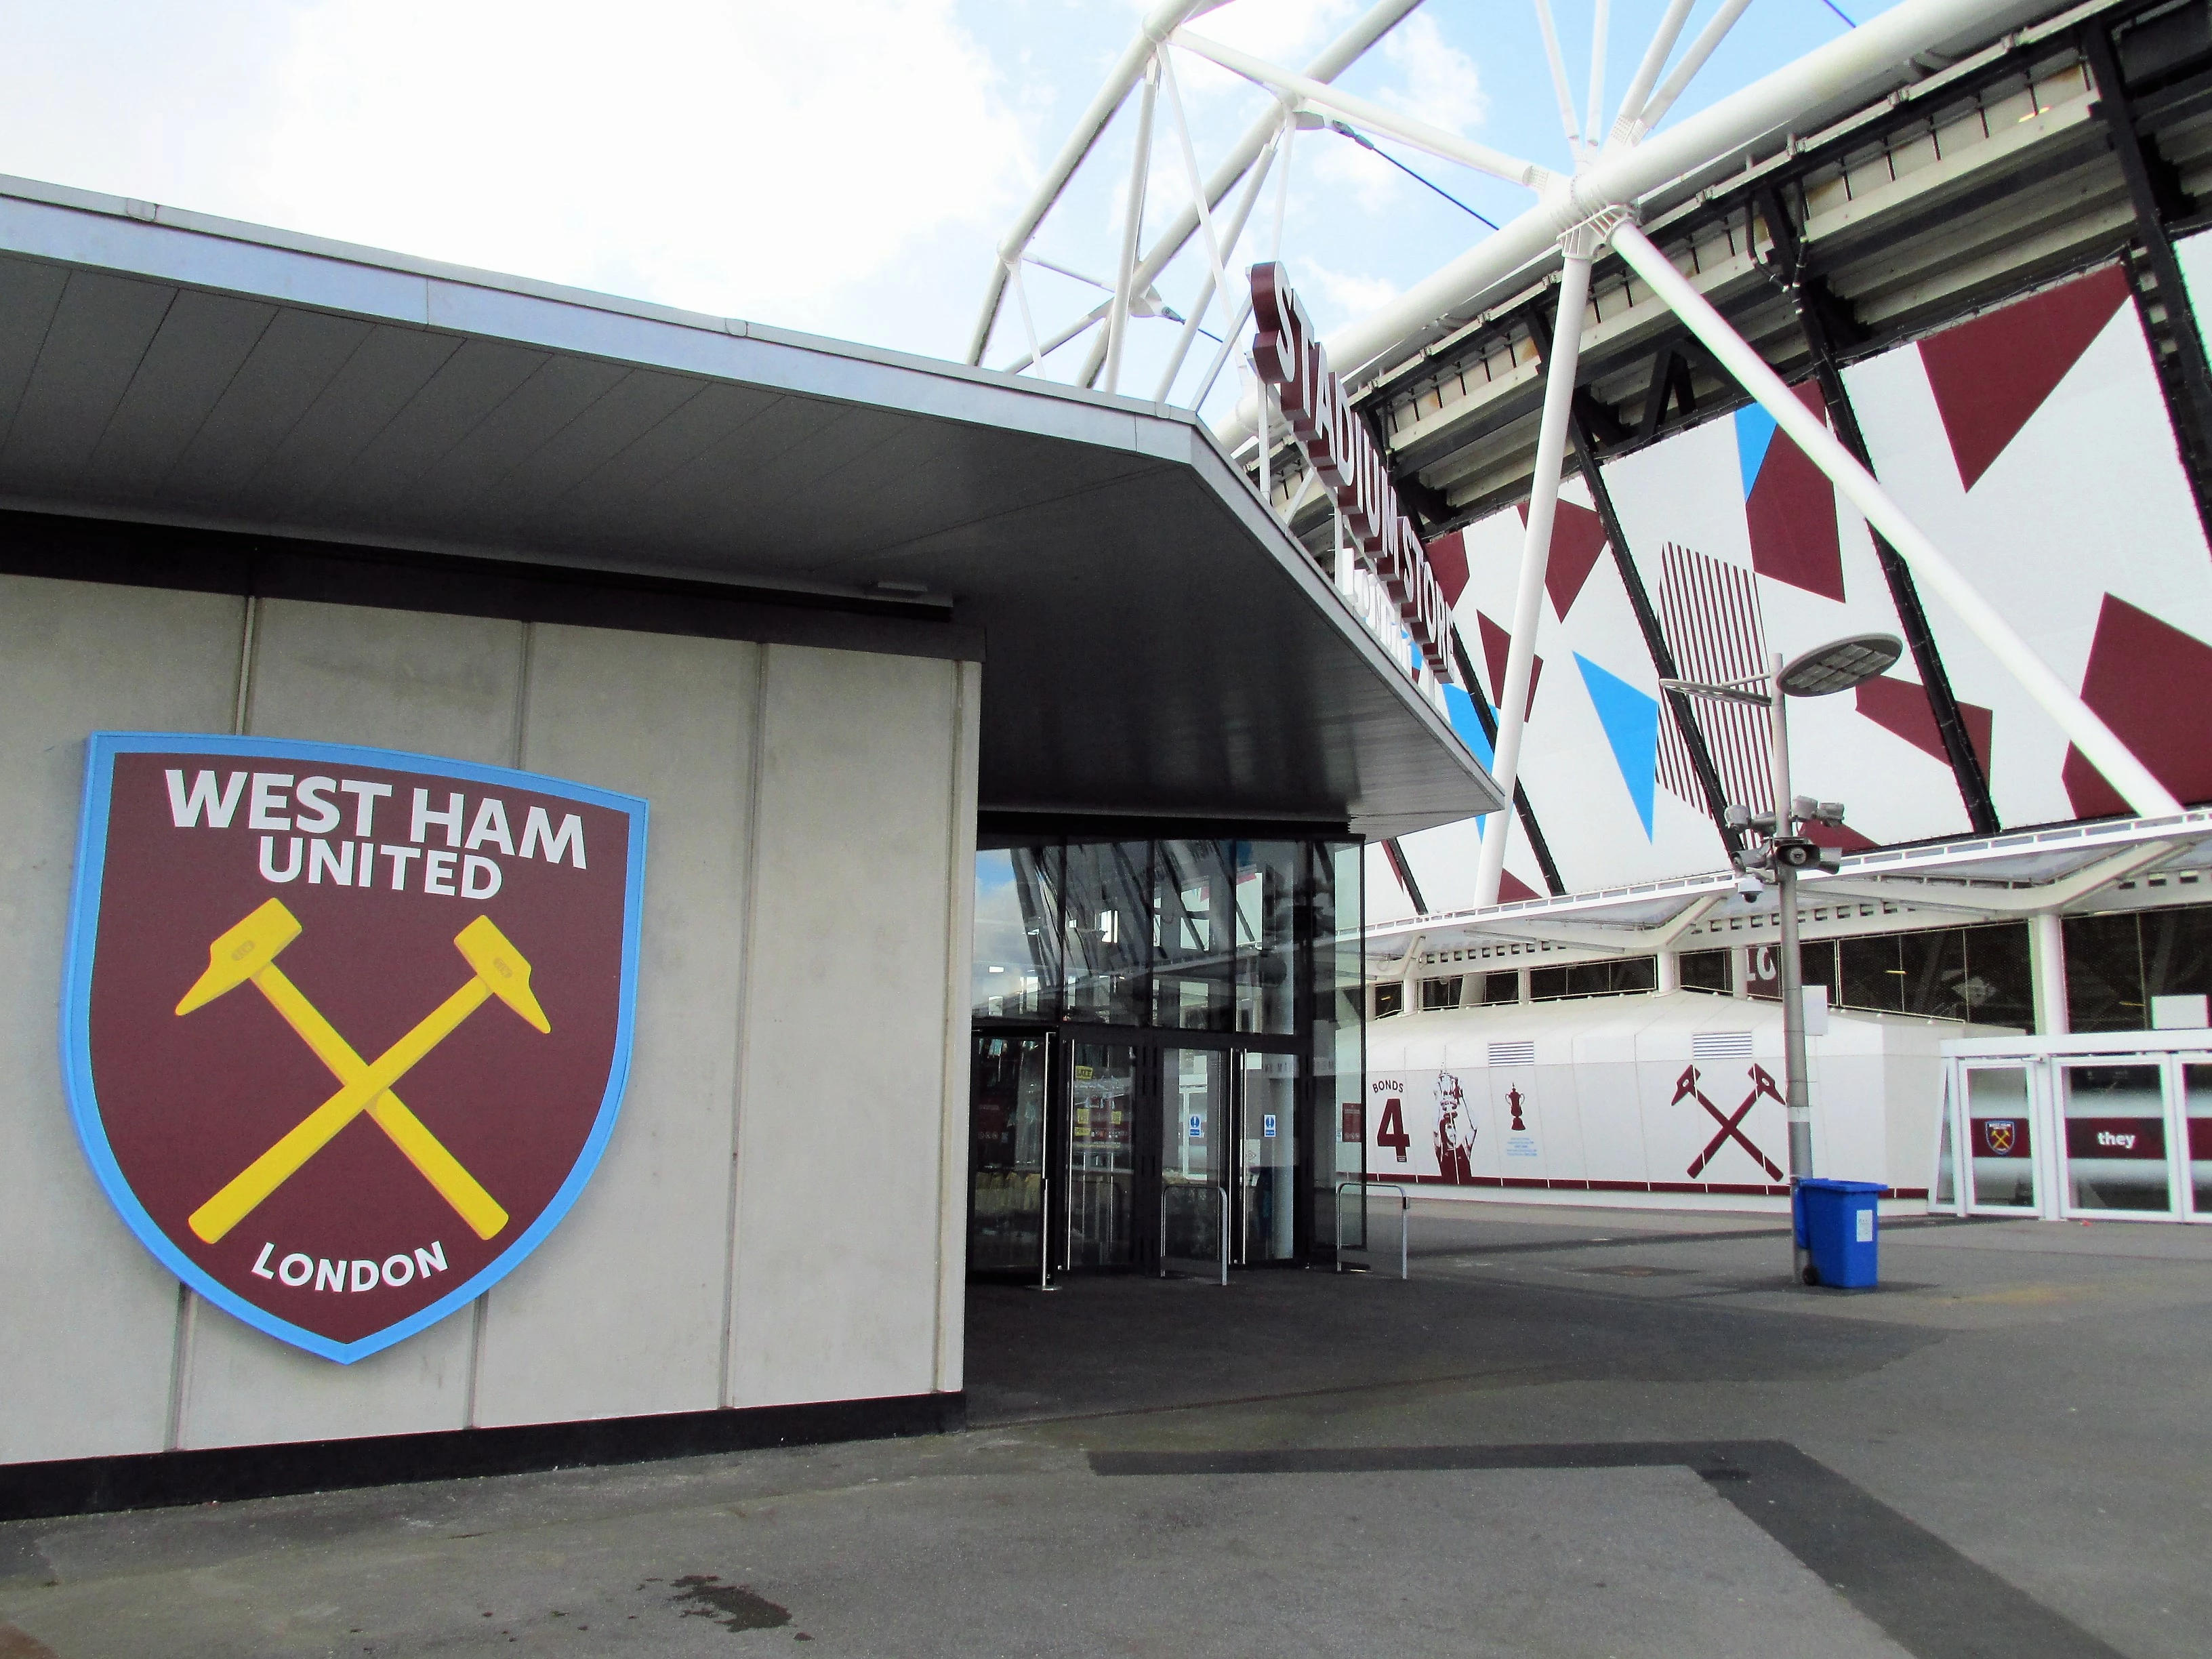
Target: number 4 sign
x: 1391, y: 1132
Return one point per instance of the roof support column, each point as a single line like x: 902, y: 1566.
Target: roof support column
x: 1560, y: 366
x: 2046, y: 972
x: 1814, y: 306
x: 1488, y: 720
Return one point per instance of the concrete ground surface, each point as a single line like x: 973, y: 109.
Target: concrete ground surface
x: 1570, y: 1432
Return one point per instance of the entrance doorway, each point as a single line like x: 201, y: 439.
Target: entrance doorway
x: 2079, y: 1131
x: 1118, y: 1152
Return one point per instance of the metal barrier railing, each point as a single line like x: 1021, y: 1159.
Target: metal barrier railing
x: 1405, y: 1217
x: 1222, y: 1193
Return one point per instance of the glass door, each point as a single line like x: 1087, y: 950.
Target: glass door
x: 2000, y: 1139
x: 2197, y: 1136
x: 1006, y: 1177
x: 1268, y: 1112
x: 1195, y: 1152
x: 1101, y: 1186
x: 2115, y: 1138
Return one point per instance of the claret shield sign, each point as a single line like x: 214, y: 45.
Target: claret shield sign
x: 346, y: 1031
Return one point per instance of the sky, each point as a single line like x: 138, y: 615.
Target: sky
x: 845, y: 168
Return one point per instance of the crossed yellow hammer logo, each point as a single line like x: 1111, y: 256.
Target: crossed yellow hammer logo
x: 248, y: 952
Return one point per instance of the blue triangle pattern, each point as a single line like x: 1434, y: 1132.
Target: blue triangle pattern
x: 1459, y: 709
x: 1755, y: 431
x: 1631, y: 720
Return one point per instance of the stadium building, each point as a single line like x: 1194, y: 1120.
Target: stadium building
x: 578, y: 868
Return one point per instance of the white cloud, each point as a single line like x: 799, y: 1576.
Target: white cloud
x: 1442, y: 86
x: 1337, y: 297
x: 1287, y: 31
x: 741, y: 158
x: 1338, y: 164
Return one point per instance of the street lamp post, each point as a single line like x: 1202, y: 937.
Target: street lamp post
x: 1826, y: 669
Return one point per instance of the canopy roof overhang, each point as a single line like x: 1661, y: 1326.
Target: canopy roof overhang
x: 2114, y: 863
x: 1154, y: 642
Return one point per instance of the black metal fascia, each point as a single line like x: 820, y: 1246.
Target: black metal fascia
x: 2155, y: 196
x: 1817, y: 308
x: 1404, y: 872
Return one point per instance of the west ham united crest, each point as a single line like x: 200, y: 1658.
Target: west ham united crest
x: 346, y: 1031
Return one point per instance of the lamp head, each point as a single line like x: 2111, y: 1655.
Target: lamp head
x: 1839, y: 664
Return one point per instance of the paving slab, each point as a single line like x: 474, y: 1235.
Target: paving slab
x: 1559, y: 1437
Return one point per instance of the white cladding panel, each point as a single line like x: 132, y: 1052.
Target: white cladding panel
x: 1599, y: 1097
x: 807, y: 874
x: 858, y: 943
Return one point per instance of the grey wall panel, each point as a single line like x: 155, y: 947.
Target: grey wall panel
x: 242, y: 1389
x: 88, y: 1317
x: 399, y: 679
x: 779, y: 1216
x: 621, y: 1311
x: 844, y: 1069
x: 959, y: 1044
x: 439, y: 685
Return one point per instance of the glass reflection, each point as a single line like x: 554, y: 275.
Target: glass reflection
x: 1106, y: 930
x: 2116, y: 1138
x: 1194, y: 1146
x: 1102, y: 1155
x: 1016, y: 972
x: 1269, y: 1218
x: 2002, y: 1165
x: 2196, y: 1086
x: 1007, y: 1214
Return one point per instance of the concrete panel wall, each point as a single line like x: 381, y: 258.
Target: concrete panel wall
x: 88, y: 1318
x: 779, y: 1216
x: 642, y: 1262
x: 436, y: 686
x: 841, y: 1112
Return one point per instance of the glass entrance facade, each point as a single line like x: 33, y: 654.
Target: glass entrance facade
x: 1169, y: 1053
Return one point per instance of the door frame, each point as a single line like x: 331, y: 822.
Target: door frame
x: 1150, y: 1044
x: 2042, y: 1057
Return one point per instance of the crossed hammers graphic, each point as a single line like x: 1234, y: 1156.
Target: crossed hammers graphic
x: 1761, y: 1083
x: 248, y: 951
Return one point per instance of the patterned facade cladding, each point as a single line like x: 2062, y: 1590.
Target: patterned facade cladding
x: 1789, y: 505
x: 2031, y: 443
x: 1708, y: 610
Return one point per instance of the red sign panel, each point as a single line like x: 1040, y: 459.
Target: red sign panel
x: 346, y: 1031
x: 2115, y: 1137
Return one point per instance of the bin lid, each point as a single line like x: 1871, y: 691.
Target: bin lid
x: 1815, y: 1183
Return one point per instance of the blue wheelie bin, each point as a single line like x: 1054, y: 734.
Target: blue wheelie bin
x: 1836, y: 1222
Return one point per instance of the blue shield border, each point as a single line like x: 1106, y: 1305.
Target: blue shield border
x: 101, y: 749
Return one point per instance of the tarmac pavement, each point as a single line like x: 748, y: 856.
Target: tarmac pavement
x: 1570, y: 1432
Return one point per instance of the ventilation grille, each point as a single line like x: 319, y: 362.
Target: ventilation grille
x: 1720, y: 1045
x: 1513, y: 1053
